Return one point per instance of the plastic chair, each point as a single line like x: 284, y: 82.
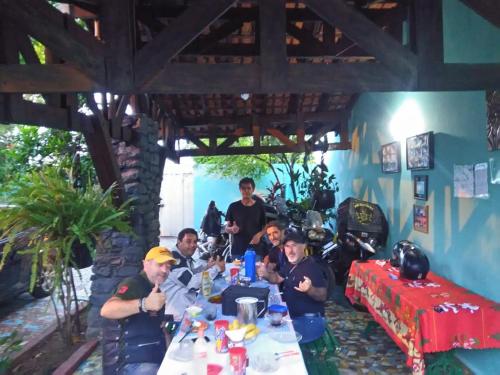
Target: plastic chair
x: 318, y: 354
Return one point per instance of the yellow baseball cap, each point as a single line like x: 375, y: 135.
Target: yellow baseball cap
x: 161, y: 255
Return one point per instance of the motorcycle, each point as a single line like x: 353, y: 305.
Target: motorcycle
x: 361, y: 232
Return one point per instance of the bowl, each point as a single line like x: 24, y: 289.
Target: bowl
x: 236, y: 335
x: 194, y: 311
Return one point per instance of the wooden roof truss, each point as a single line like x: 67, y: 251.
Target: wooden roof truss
x: 187, y: 64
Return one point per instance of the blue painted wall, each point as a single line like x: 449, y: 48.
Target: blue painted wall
x: 463, y: 242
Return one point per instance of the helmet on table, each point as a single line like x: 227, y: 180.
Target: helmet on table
x: 398, y: 250
x: 414, y: 264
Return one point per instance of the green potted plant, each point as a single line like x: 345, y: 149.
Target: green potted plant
x: 319, y: 187
x: 60, y: 218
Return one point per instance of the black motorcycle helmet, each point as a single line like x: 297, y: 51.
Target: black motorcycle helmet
x: 414, y: 264
x: 398, y: 250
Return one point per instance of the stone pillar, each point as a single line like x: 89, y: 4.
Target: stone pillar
x: 118, y: 255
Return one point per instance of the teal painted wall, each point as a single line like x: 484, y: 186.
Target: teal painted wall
x: 463, y: 242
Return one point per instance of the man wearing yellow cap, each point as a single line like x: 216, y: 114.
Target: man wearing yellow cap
x: 137, y: 345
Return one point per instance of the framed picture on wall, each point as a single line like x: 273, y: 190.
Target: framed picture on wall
x: 420, y: 151
x: 421, y: 218
x: 391, y: 157
x: 420, y: 187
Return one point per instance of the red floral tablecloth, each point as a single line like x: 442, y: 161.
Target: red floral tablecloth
x: 424, y: 316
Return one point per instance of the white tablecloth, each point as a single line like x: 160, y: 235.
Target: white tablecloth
x: 293, y: 365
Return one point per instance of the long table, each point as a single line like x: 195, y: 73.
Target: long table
x: 424, y: 316
x: 264, y: 343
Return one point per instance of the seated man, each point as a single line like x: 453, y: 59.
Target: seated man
x: 276, y: 259
x: 304, y: 285
x: 184, y: 281
x: 136, y: 345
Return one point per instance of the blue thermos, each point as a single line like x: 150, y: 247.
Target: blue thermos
x: 250, y: 264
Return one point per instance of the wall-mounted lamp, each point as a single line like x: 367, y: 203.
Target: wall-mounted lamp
x: 408, y: 120
x: 245, y: 96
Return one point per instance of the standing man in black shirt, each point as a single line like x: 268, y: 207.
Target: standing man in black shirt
x: 245, y: 219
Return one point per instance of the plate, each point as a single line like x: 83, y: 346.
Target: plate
x: 264, y: 362
x: 286, y: 337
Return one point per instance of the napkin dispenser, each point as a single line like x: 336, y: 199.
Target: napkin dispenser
x: 231, y: 293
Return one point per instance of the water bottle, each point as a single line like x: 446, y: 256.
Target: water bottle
x: 250, y: 263
x: 200, y: 354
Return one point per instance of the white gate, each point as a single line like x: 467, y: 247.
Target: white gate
x: 177, y: 199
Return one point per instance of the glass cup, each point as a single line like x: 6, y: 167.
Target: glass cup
x: 210, y: 311
x: 276, y: 318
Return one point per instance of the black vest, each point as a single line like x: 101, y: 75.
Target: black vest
x: 136, y: 339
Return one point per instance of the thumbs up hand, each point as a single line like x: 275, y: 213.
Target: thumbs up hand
x: 155, y: 300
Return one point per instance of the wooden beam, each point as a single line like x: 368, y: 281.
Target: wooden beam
x: 118, y: 31
x: 331, y: 116
x: 154, y: 57
x: 165, y: 10
x: 28, y: 113
x: 460, y: 77
x: 28, y: 51
x: 255, y: 131
x: 428, y: 35
x: 488, y: 9
x: 41, y: 20
x: 34, y: 78
x: 273, y: 62
x: 280, y: 136
x: 204, y: 43
x: 429, y: 31
x: 117, y: 120
x: 250, y: 150
x: 321, y: 132
x: 367, y: 35
x: 343, y: 49
x: 104, y: 159
x: 185, y: 133
x: 238, y: 78
x: 345, y: 78
x: 300, y: 130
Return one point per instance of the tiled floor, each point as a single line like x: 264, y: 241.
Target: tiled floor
x: 36, y: 315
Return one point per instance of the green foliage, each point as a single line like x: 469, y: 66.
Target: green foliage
x: 55, y: 215
x: 58, y: 215
x: 8, y: 345
x: 24, y: 149
x: 318, y: 179
x: 233, y: 166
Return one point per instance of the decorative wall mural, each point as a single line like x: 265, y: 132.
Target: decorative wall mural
x: 493, y: 129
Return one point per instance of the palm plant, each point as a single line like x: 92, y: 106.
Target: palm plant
x: 56, y: 216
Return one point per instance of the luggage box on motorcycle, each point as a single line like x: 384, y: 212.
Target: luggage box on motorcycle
x: 233, y: 292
